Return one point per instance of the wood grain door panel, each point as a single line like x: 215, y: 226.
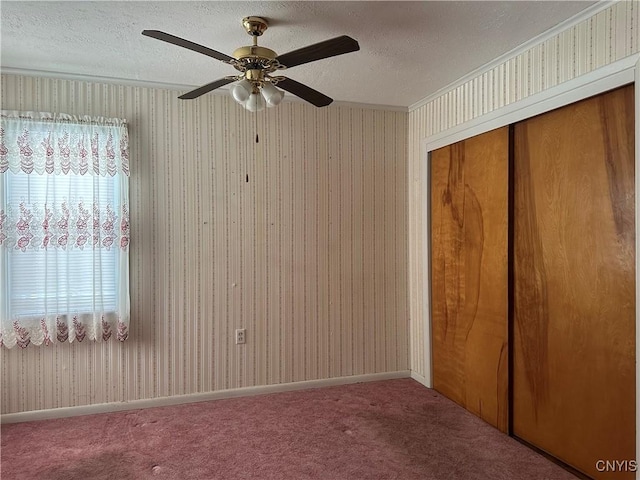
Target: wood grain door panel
x: 574, y: 273
x: 469, y: 195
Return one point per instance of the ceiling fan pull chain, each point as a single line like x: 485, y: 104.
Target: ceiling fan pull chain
x: 257, y: 139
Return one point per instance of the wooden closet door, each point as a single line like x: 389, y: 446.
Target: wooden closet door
x: 574, y: 290
x: 469, y: 196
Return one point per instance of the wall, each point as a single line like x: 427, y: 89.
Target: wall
x: 310, y: 255
x: 608, y: 34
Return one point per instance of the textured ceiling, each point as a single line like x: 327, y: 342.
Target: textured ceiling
x: 408, y: 50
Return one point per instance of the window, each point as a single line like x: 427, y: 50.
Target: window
x: 64, y: 228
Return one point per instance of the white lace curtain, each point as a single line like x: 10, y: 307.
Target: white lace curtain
x: 64, y: 228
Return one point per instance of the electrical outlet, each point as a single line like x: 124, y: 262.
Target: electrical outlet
x: 241, y: 336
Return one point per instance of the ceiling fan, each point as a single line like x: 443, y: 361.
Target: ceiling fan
x: 258, y: 67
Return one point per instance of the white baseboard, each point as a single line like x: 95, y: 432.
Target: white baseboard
x: 419, y: 378
x: 196, y: 397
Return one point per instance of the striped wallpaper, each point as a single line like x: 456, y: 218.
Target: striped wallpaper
x: 609, y: 35
x: 300, y: 238
x: 310, y: 255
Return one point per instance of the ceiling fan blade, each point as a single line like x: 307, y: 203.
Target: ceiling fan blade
x: 318, y: 51
x: 206, y: 88
x: 181, y: 42
x: 306, y: 93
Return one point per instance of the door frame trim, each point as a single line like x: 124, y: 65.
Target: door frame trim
x: 637, y: 217
x: 615, y: 75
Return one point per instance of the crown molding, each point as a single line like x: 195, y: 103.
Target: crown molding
x: 541, y: 38
x: 172, y: 86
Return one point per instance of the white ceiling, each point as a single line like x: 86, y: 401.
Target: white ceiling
x: 408, y: 50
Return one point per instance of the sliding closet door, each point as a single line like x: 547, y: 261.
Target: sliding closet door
x: 574, y: 282
x: 469, y: 198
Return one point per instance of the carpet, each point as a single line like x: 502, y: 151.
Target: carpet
x: 395, y: 429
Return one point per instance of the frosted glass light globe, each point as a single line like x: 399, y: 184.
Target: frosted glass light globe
x: 271, y: 94
x: 255, y: 103
x: 241, y: 91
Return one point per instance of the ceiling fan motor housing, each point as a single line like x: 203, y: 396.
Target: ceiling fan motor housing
x: 254, y: 61
x: 254, y: 51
